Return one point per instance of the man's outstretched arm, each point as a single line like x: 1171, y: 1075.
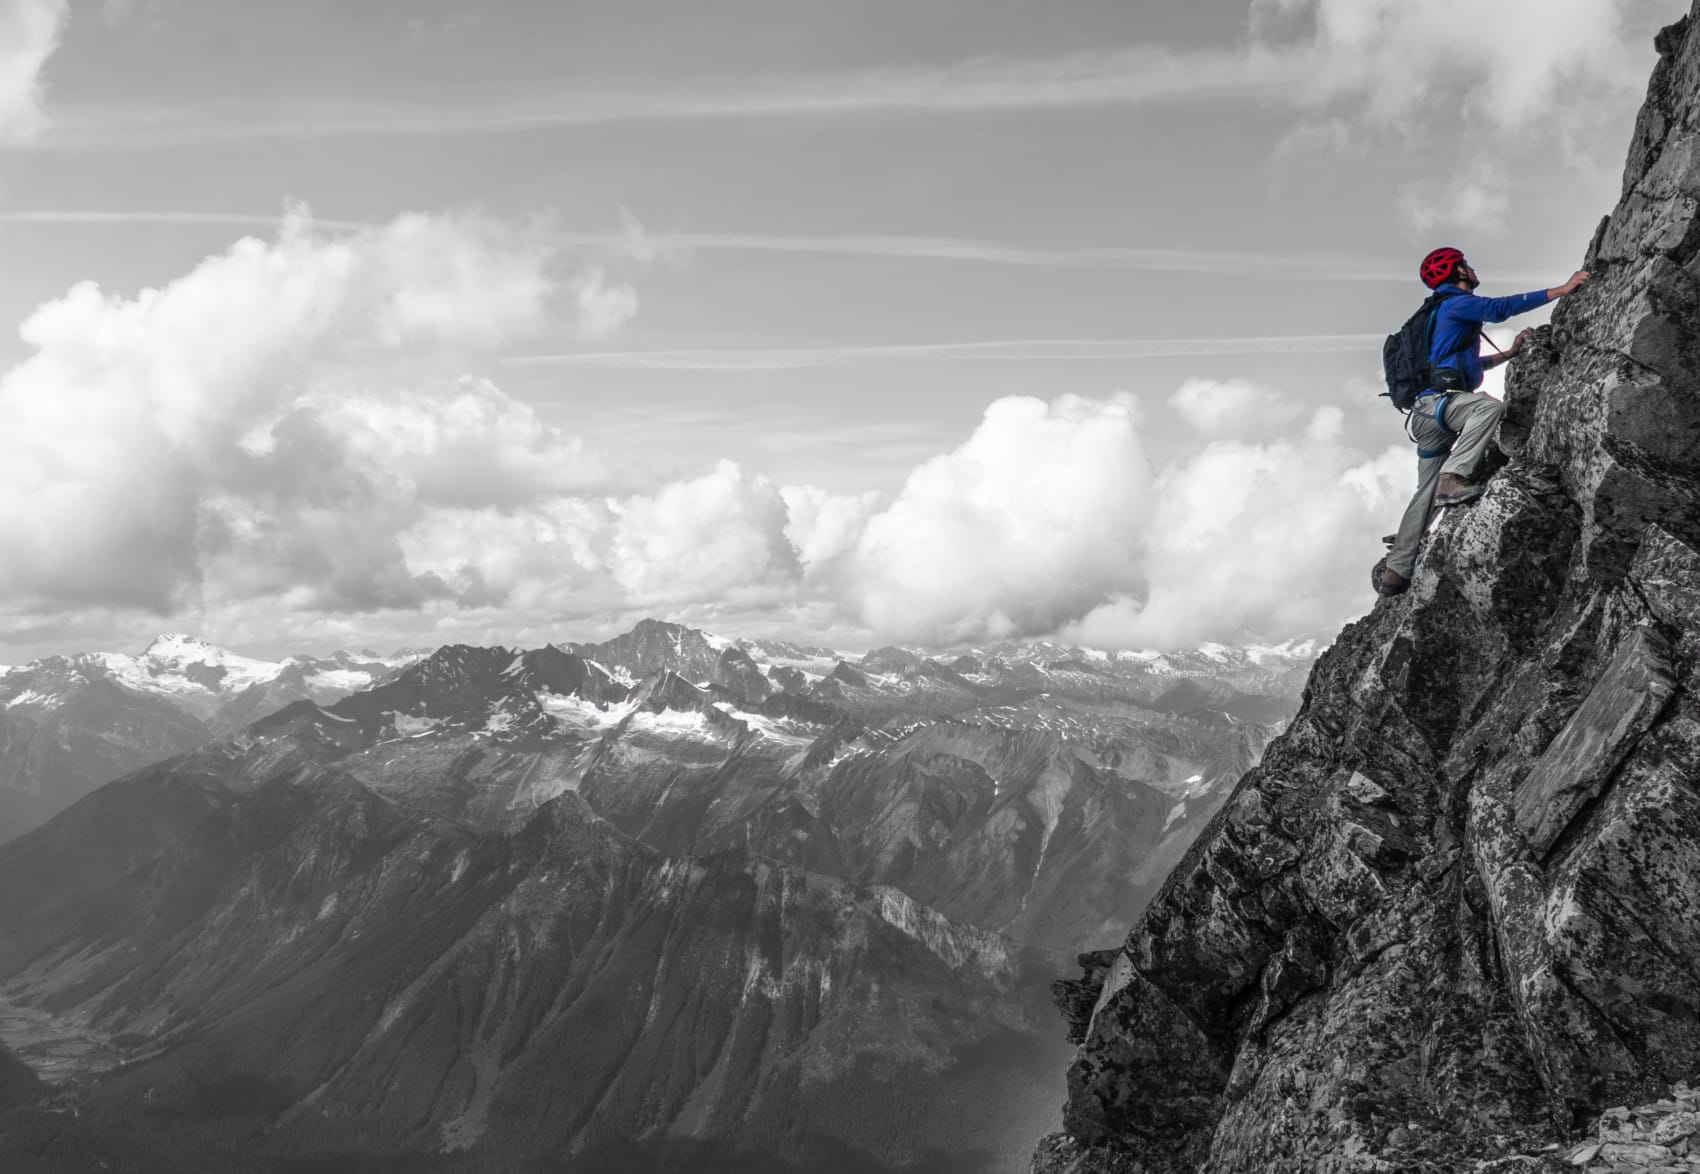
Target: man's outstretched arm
x: 1576, y: 282
x: 1474, y: 308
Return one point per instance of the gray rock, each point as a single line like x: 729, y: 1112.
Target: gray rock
x: 1576, y: 766
x: 1676, y: 1127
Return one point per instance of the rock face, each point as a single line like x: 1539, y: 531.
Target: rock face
x: 1458, y: 902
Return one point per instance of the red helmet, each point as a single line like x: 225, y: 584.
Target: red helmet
x: 1439, y: 265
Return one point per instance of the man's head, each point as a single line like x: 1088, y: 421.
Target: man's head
x: 1446, y: 266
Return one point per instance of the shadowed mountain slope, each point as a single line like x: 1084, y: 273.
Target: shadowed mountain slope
x: 355, y: 969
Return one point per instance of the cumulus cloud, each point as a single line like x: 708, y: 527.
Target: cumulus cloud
x: 1510, y: 63
x: 718, y: 536
x: 1509, y: 94
x: 1259, y: 538
x: 1022, y: 527
x: 821, y: 526
x: 271, y: 421
x: 1233, y: 407
x: 29, y: 33
x: 1053, y: 518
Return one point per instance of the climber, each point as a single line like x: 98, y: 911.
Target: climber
x: 1452, y: 422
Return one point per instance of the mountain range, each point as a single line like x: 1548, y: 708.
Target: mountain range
x: 69, y: 724
x: 660, y: 898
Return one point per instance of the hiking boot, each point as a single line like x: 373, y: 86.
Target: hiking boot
x: 1392, y: 583
x: 1455, y: 490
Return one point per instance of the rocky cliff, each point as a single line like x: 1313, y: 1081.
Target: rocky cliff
x: 1457, y: 905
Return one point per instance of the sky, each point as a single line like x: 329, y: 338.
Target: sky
x: 921, y: 321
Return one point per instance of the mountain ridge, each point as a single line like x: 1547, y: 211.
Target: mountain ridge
x: 841, y: 891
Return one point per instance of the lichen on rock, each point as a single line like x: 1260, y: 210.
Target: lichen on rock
x: 1454, y: 915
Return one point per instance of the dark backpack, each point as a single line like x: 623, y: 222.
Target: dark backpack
x: 1404, y: 356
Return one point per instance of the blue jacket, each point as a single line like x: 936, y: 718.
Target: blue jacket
x: 1460, y: 315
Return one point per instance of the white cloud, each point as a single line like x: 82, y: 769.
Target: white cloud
x: 719, y: 536
x: 1475, y: 205
x: 1510, y: 63
x: 821, y: 526
x: 1051, y: 518
x: 1259, y: 539
x: 1022, y: 527
x: 603, y: 307
x: 1233, y: 407
x: 29, y: 33
x: 269, y: 423
x: 1468, y: 110
x: 463, y: 444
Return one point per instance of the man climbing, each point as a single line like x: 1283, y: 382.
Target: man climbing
x: 1452, y: 422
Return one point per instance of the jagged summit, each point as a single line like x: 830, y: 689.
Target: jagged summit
x: 1452, y: 914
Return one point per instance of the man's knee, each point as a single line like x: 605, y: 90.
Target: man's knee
x: 1483, y: 413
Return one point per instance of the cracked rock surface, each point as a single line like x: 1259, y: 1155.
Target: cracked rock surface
x: 1453, y: 917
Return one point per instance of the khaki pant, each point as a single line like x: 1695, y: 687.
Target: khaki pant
x: 1473, y: 417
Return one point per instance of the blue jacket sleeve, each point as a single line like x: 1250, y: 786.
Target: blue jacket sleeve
x: 1471, y: 308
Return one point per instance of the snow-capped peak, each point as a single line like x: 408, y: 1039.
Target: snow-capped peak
x: 175, y: 645
x: 174, y: 652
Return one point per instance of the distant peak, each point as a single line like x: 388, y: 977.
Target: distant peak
x: 169, y: 642
x: 651, y: 625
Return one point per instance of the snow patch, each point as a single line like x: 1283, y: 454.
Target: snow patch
x: 671, y: 721
x: 577, y: 711
x: 769, y: 728
x: 409, y: 726
x: 618, y: 676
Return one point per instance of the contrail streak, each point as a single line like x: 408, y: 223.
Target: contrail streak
x: 1015, y: 350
